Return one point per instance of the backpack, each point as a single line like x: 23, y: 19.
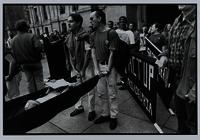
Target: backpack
x: 121, y: 56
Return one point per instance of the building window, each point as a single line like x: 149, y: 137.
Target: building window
x: 28, y: 16
x: 46, y: 30
x: 74, y: 8
x: 36, y: 15
x: 38, y: 31
x: 94, y: 8
x: 62, y: 9
x: 54, y: 10
x: 44, y: 12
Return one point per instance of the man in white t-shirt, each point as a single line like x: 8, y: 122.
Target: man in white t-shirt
x: 123, y: 23
x: 121, y: 31
x: 126, y: 36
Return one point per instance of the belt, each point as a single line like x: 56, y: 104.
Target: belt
x: 103, y: 62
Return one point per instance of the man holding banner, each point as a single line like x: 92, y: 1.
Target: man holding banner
x: 82, y: 67
x: 182, y: 62
x: 102, y: 54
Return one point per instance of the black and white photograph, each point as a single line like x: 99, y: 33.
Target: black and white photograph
x: 99, y: 69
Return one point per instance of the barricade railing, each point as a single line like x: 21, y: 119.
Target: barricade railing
x: 144, y: 83
x: 164, y: 89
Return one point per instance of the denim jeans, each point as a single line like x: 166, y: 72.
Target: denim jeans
x: 89, y: 73
x: 107, y: 92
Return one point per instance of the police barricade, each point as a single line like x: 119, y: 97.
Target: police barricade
x: 165, y: 90
x: 142, y: 73
x: 143, y: 84
x: 146, y: 80
x: 17, y: 120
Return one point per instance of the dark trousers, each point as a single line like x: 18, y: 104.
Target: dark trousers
x: 187, y: 116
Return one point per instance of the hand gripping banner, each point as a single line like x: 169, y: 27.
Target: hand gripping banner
x: 17, y: 120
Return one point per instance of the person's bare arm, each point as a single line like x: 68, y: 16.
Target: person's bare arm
x: 86, y: 62
x: 96, y: 67
x: 110, y: 61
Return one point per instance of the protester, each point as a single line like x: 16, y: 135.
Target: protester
x: 130, y: 34
x: 110, y: 24
x: 26, y: 49
x: 143, y: 34
x: 121, y: 31
x: 127, y: 37
x: 91, y: 30
x: 157, y: 37
x: 147, y: 31
x: 13, y: 74
x: 80, y: 59
x: 102, y: 54
x: 182, y: 62
x: 131, y: 26
x: 115, y: 26
x: 136, y: 34
x: 10, y: 36
x: 13, y: 80
x: 55, y: 35
x: 123, y: 24
x: 166, y: 31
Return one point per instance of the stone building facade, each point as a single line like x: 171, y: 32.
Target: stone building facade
x: 45, y: 18
x: 11, y: 13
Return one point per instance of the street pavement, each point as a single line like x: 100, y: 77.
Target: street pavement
x: 131, y: 119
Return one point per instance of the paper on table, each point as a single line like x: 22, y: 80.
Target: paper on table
x: 58, y: 83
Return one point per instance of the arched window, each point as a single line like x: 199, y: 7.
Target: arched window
x: 38, y: 31
x: 44, y: 12
x: 74, y: 8
x: 36, y: 14
x: 62, y: 9
x: 94, y: 7
x: 46, y: 30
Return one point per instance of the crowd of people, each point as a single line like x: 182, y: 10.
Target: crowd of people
x: 90, y: 53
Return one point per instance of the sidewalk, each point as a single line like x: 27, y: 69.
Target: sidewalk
x: 131, y: 119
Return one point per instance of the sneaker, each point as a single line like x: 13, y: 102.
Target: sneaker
x: 91, y: 116
x: 113, y: 123
x: 76, y: 112
x: 102, y: 119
